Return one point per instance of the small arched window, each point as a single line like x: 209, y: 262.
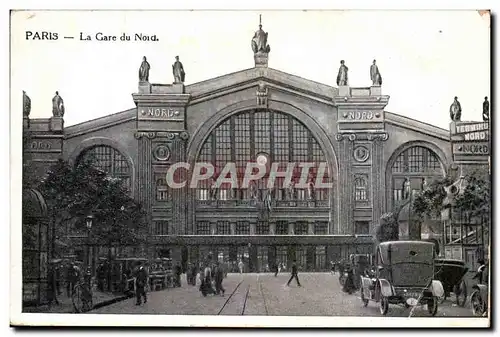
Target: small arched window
x: 360, y: 188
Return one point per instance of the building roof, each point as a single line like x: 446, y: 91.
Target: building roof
x: 225, y: 84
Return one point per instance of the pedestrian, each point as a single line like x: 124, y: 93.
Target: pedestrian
x: 480, y: 271
x: 100, y: 276
x: 52, y: 284
x: 141, y: 280
x: 178, y: 273
x: 241, y: 265
x: 332, y: 267
x: 219, y: 277
x: 349, y: 285
x: 294, y: 275
x: 206, y: 281
x: 276, y: 269
x: 73, y: 275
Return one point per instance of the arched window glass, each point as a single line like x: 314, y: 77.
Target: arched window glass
x: 109, y: 160
x: 242, y: 137
x: 412, y: 170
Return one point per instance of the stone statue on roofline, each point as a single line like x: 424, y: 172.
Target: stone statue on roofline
x: 342, y: 78
x: 486, y: 110
x: 144, y: 70
x: 178, y: 70
x: 259, y: 40
x: 26, y: 105
x: 57, y: 106
x: 375, y: 74
x: 455, y: 110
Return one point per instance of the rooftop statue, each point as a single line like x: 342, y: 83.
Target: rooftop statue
x: 375, y: 74
x: 486, y: 110
x: 57, y: 106
x: 259, y: 40
x: 342, y: 78
x: 178, y: 70
x: 26, y: 105
x: 144, y: 70
x: 455, y: 110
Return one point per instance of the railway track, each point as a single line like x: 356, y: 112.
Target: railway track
x: 231, y: 296
x: 263, y: 297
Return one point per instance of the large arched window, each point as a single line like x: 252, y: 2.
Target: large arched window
x: 109, y: 160
x: 412, y: 170
x: 279, y: 137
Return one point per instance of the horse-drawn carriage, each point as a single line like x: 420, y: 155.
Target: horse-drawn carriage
x: 122, y: 274
x: 404, y: 275
x: 160, y: 274
x: 450, y: 273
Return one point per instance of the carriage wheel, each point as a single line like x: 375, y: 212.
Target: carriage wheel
x: 432, y: 306
x: 77, y: 299
x: 384, y: 305
x: 363, y: 299
x: 461, y: 293
x: 477, y: 304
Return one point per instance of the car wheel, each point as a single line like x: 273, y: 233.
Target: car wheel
x: 477, y: 304
x: 432, y: 306
x: 384, y: 305
x: 363, y: 299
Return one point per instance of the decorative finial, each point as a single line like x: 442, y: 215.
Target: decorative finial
x: 26, y: 105
x: 57, y: 106
x: 260, y: 20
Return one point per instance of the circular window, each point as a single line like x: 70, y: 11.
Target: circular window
x: 162, y: 152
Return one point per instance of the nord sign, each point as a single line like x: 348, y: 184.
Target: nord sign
x: 159, y: 112
x: 361, y: 115
x: 472, y: 132
x: 475, y: 149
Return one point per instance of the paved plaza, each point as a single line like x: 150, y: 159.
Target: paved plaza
x: 264, y: 294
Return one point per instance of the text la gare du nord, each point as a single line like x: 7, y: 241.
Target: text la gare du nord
x: 123, y: 37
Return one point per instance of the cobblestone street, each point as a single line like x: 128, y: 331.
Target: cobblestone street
x: 264, y: 294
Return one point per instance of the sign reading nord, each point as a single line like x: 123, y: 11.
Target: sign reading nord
x: 361, y: 115
x: 153, y: 112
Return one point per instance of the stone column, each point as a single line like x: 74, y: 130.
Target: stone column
x: 378, y: 190
x: 345, y: 225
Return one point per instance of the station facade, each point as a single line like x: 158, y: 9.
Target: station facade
x: 369, y: 154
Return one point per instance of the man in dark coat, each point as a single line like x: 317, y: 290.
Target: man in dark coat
x: 218, y: 277
x: 72, y: 277
x: 294, y: 275
x: 141, y: 279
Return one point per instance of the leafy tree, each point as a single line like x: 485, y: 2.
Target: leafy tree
x: 475, y: 199
x: 388, y: 228
x: 74, y: 192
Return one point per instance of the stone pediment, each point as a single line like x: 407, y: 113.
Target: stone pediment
x: 223, y: 85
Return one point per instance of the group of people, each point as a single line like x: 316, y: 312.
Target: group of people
x: 61, y: 272
x: 211, y: 279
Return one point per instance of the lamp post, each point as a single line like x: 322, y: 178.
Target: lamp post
x: 89, y: 222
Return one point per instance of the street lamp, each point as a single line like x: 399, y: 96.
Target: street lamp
x: 89, y: 221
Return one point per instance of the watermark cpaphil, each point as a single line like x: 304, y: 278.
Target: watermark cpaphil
x: 280, y: 175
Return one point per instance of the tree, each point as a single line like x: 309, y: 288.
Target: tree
x: 74, y: 192
x: 429, y: 202
x: 475, y: 198
x: 388, y: 228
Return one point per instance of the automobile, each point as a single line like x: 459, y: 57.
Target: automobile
x: 479, y: 297
x: 404, y: 275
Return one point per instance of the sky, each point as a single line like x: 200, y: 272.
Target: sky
x: 425, y: 57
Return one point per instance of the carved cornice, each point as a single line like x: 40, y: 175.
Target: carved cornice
x: 162, y: 134
x: 382, y: 136
x: 378, y: 136
x: 349, y: 136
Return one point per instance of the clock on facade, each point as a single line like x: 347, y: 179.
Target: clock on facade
x: 262, y: 159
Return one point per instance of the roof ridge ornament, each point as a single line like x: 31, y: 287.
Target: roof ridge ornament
x: 260, y: 47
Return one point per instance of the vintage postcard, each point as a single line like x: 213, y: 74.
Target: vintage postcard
x: 251, y: 168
